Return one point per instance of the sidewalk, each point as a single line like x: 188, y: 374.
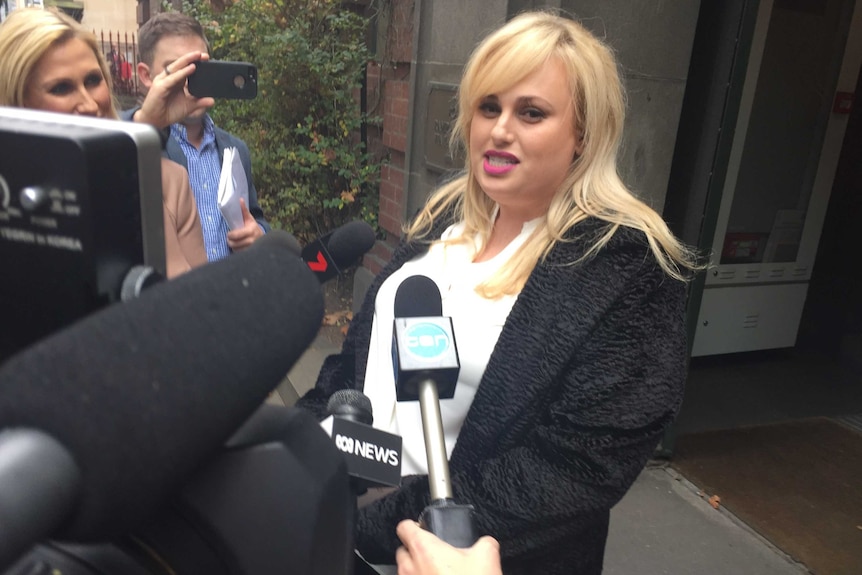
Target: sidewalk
x: 662, y: 526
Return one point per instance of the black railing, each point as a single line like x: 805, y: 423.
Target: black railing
x: 121, y: 52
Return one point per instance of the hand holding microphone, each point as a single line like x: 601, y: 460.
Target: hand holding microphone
x: 426, y: 368
x: 425, y: 554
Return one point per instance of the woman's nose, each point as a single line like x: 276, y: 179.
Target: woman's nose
x: 501, y: 131
x: 87, y: 105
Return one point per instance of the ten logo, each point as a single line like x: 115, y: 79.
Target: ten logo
x: 427, y: 340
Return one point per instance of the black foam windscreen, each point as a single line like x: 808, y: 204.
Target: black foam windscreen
x: 278, y: 240
x: 351, y: 404
x: 142, y: 393
x: 349, y: 242
x: 418, y: 296
x: 290, y: 242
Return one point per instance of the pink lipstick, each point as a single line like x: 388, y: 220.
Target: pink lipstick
x: 498, y: 163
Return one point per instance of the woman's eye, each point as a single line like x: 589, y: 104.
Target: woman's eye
x: 533, y: 114
x: 60, y: 89
x: 489, y: 109
x: 93, y: 80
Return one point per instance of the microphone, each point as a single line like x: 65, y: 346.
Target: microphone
x: 423, y: 343
x: 39, y: 484
x: 373, y: 456
x: 290, y: 242
x: 426, y: 360
x: 141, y: 277
x: 142, y: 393
x: 329, y: 254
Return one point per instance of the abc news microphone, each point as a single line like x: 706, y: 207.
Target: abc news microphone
x: 426, y: 367
x: 373, y: 456
x: 153, y: 411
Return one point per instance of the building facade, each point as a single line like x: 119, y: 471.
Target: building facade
x: 740, y: 131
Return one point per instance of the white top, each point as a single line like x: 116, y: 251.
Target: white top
x: 477, y: 323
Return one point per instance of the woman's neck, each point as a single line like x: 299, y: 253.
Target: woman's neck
x: 507, y: 226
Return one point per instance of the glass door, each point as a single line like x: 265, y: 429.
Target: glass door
x: 786, y: 146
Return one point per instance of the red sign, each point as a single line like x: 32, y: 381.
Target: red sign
x: 320, y: 265
x: 843, y: 103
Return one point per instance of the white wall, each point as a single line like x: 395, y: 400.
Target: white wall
x: 111, y: 15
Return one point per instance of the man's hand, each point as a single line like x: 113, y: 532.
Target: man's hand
x: 168, y: 101
x: 424, y: 554
x: 241, y: 238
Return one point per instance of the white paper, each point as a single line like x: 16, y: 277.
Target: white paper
x: 231, y: 187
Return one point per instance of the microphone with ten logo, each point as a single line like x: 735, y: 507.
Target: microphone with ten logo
x: 426, y: 368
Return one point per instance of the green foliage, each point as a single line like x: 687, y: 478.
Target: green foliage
x: 311, y: 170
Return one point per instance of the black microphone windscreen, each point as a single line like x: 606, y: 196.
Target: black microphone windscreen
x: 418, y: 296
x: 351, y: 403
x: 142, y: 393
x: 349, y: 242
x: 285, y: 239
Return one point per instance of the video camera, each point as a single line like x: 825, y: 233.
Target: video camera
x: 80, y: 206
x: 259, y: 489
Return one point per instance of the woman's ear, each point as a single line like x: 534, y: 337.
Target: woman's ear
x: 579, y: 143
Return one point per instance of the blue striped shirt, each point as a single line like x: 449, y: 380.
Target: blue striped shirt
x: 204, y: 171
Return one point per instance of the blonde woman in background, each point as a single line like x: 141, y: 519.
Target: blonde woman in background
x: 50, y: 62
x: 567, y: 296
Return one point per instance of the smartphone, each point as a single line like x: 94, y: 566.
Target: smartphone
x: 223, y: 79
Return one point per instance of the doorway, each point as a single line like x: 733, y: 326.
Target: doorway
x: 800, y: 75
x: 818, y: 373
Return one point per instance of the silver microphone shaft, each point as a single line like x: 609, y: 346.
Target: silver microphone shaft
x: 435, y: 444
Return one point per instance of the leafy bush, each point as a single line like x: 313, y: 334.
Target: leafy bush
x: 311, y: 170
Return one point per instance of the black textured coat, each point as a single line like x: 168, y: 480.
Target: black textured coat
x: 587, y: 373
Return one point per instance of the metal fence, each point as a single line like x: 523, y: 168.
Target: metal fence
x: 121, y: 52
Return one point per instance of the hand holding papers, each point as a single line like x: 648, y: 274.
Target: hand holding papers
x: 231, y: 187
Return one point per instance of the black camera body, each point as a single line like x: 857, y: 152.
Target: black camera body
x: 80, y: 205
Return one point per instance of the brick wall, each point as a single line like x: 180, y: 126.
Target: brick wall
x: 389, y: 97
x: 388, y: 91
x: 395, y: 101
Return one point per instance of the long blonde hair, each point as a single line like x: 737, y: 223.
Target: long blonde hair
x: 592, y: 187
x: 25, y: 36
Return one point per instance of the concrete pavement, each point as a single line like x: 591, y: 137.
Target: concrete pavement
x: 662, y: 526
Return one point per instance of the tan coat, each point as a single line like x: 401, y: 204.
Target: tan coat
x: 184, y: 240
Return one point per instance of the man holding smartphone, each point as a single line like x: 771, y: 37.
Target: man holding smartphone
x: 196, y: 143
